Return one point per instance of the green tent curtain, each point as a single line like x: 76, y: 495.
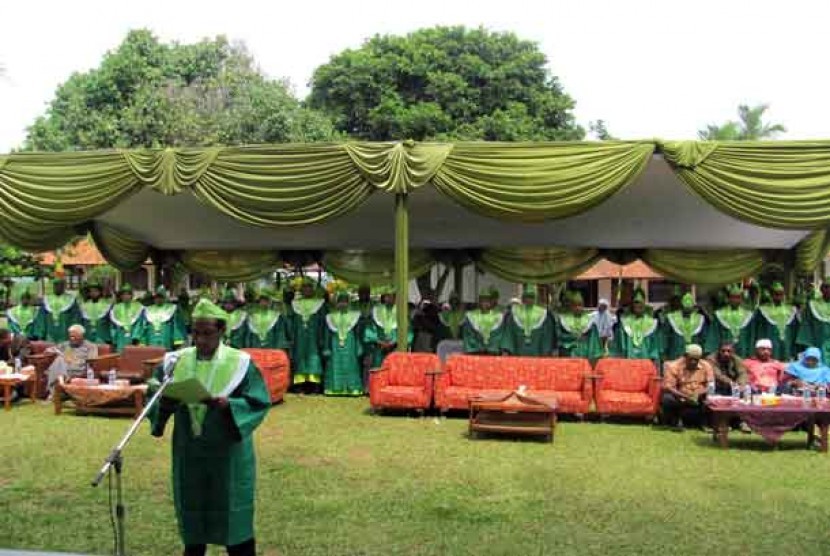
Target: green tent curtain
x: 121, y: 251
x: 232, y: 266
x: 705, y: 266
x: 772, y: 184
x: 541, y: 265
x: 374, y: 268
x: 811, y: 251
x: 539, y: 181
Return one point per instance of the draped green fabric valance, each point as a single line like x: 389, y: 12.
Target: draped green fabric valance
x: 232, y: 266
x: 541, y: 265
x: 538, y: 181
x: 772, y: 184
x: 120, y: 250
x: 811, y: 251
x: 374, y: 268
x: 705, y: 266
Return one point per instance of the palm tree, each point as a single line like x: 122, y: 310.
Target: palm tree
x: 750, y: 126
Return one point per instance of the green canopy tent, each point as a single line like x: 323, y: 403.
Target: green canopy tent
x: 706, y: 212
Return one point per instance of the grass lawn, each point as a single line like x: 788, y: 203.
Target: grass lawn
x: 334, y: 479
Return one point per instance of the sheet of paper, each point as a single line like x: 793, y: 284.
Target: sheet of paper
x: 187, y: 391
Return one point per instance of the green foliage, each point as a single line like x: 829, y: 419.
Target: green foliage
x: 750, y: 126
x: 445, y: 83
x: 149, y: 94
x: 600, y: 130
x: 332, y: 479
x: 15, y: 263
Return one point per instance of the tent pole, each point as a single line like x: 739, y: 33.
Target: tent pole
x: 402, y: 269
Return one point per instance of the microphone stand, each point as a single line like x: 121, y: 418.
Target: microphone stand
x: 115, y: 461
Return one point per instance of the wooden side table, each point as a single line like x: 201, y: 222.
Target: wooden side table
x: 10, y: 381
x: 515, y: 413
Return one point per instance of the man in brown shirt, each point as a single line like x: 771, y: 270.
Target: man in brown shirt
x: 729, y: 369
x: 685, y: 382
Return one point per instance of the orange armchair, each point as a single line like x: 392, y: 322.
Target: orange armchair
x: 275, y: 368
x: 627, y: 387
x: 404, y: 381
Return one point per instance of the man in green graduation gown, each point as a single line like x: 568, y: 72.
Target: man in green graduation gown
x: 343, y: 349
x: 531, y: 326
x: 683, y: 327
x: 58, y: 312
x: 24, y: 318
x: 165, y: 323
x: 576, y: 332
x: 484, y: 330
x: 637, y: 335
x: 214, y: 468
x: 95, y: 314
x: 308, y: 324
x: 777, y: 321
x: 451, y: 318
x: 236, y: 329
x: 815, y: 323
x: 126, y: 319
x: 364, y: 302
x: 267, y: 326
x: 381, y: 331
x: 732, y: 323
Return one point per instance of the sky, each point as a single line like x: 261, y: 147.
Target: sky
x: 648, y: 68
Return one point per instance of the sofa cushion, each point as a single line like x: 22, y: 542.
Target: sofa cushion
x: 409, y: 369
x: 403, y: 396
x: 624, y: 402
x: 625, y: 375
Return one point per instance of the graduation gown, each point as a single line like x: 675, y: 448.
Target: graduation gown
x: 638, y: 338
x: 343, y: 350
x: 25, y: 319
x: 532, y: 330
x: 236, y: 330
x: 214, y: 472
x: 815, y: 327
x: 486, y: 333
x: 164, y: 326
x: 732, y: 325
x: 267, y: 329
x: 451, y: 322
x: 578, y: 336
x: 680, y: 330
x: 59, y: 312
x: 779, y: 324
x: 382, y: 327
x: 95, y: 317
x: 126, y: 324
x: 308, y: 325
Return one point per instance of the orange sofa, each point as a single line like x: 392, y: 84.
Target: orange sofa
x: 467, y: 376
x: 275, y: 368
x: 404, y: 381
x: 627, y: 387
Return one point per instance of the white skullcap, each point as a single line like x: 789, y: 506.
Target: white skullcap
x: 765, y: 343
x: 694, y: 350
x: 603, y: 302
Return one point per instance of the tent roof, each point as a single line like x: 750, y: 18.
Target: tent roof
x: 656, y: 211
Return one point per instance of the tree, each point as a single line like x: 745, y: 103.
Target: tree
x: 149, y: 94
x: 600, y: 130
x: 445, y: 83
x: 750, y: 126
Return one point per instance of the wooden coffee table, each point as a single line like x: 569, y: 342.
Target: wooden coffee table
x: 515, y: 413
x: 9, y: 381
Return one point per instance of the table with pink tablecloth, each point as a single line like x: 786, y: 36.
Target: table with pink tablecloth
x: 771, y: 422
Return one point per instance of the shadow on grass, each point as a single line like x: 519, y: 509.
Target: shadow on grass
x: 754, y: 443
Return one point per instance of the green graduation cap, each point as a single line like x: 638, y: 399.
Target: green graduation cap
x: 575, y: 297
x: 206, y: 309
x: 125, y: 288
x: 26, y: 295
x: 639, y: 296
x: 161, y: 291
x: 529, y: 291
x: 735, y: 289
x: 229, y: 296
x: 687, y: 301
x: 777, y: 287
x: 56, y: 281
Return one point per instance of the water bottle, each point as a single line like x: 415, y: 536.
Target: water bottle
x: 806, y: 396
x: 710, y: 389
x: 736, y: 392
x: 17, y: 365
x: 90, y: 374
x: 111, y: 377
x: 822, y: 394
x: 747, y: 393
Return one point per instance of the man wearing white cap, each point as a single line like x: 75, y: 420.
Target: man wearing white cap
x: 684, y: 388
x: 764, y: 372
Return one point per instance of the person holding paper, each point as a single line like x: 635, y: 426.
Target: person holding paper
x: 214, y: 470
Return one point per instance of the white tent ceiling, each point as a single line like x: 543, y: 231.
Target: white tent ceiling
x: 656, y: 211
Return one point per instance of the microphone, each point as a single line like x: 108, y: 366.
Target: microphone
x: 170, y: 362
